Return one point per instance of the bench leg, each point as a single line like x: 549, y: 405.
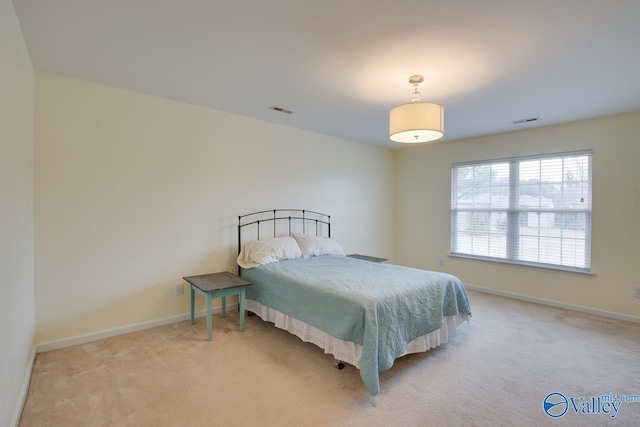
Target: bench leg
x: 242, y: 302
x: 193, y: 302
x: 224, y: 306
x: 209, y: 298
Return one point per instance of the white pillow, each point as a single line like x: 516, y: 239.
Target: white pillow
x: 266, y: 251
x: 315, y: 245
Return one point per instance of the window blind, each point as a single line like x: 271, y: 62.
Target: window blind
x: 529, y: 210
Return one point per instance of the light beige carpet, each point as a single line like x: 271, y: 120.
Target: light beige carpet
x: 496, y: 372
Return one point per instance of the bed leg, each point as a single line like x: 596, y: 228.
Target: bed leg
x: 338, y: 364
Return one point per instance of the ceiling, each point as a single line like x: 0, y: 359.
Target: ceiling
x: 341, y: 65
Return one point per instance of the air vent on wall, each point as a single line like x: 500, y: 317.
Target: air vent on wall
x: 280, y: 109
x: 521, y: 121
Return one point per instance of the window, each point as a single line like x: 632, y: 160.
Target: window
x: 526, y: 210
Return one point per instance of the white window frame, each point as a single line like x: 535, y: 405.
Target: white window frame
x: 514, y: 212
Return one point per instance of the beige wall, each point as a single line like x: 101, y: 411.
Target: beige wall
x: 133, y: 192
x: 17, y: 324
x: 423, y: 183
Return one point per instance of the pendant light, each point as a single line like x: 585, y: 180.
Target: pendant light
x: 416, y: 121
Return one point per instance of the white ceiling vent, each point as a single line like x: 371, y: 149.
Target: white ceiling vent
x: 521, y: 121
x: 280, y: 109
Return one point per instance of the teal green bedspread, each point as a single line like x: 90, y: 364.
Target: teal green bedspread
x: 379, y: 306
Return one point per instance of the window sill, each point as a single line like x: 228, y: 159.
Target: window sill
x: 551, y: 267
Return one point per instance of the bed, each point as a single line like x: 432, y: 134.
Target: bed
x: 363, y: 313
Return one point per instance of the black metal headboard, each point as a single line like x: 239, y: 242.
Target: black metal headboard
x: 295, y: 220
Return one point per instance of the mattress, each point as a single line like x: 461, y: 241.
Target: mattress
x: 348, y: 351
x: 382, y: 308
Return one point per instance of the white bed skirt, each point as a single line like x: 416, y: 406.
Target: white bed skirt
x: 348, y: 351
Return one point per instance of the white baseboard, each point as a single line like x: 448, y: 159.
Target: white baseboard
x: 557, y: 304
x: 107, y: 333
x: 24, y: 390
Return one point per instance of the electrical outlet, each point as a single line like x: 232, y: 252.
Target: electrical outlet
x: 441, y: 263
x: 179, y: 289
x: 636, y: 292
